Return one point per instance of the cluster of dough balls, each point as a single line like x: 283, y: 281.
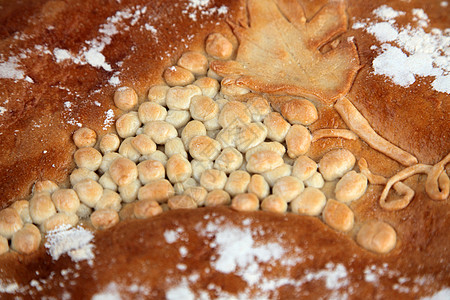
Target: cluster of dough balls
x: 198, y: 140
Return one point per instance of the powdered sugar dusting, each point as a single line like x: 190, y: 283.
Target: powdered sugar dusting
x: 75, y: 242
x: 411, y: 51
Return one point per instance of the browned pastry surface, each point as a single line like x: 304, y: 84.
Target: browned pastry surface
x: 135, y: 252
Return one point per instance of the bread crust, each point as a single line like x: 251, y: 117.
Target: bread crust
x: 36, y: 141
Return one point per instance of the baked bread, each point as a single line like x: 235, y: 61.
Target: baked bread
x: 311, y: 137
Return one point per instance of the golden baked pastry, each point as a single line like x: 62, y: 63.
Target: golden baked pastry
x: 276, y: 149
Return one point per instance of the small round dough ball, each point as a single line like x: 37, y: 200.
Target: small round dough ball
x: 107, y: 160
x: 175, y: 146
x: 26, y: 240
x: 84, y: 137
x: 315, y: 181
x: 109, y: 200
x: 272, y: 176
x: 144, y: 209
x: 195, y: 62
x: 89, y: 192
x: 47, y: 186
x: 151, y: 111
x: 178, y: 118
x: 288, y: 188
x: 304, y: 167
x: 230, y: 88
x: 197, y: 193
x: 217, y: 198
x: 274, y: 203
x: 336, y: 163
x: 204, y: 148
x: 234, y: 113
x: 199, y: 167
x: 179, y: 98
x: 218, y: 46
x: 160, y: 131
x: 58, y: 220
x: 23, y: 208
x: 351, y: 187
x: 129, y: 192
x: 125, y: 98
x: 237, y: 182
x: 104, y: 218
x: 272, y: 146
x: 128, y: 124
x: 298, y: 140
x: 66, y: 200
x: 377, y: 236
x: 277, y: 127
x: 143, y: 144
x: 250, y: 136
x: 338, y: 216
x: 178, y: 76
x: 192, y: 129
x: 157, y: 94
x: 41, y: 207
x: 209, y: 86
x: 88, y: 158
x: 258, y: 186
x: 4, y: 246
x: 299, y: 111
x: 158, y: 156
x: 127, y: 211
x: 10, y: 222
x: 213, y: 179
x: 127, y: 150
x: 245, y: 202
x: 84, y: 211
x: 107, y: 183
x: 259, y: 108
x: 228, y: 160
x: 263, y: 161
x: 123, y: 171
x: 203, y: 108
x: 181, y: 202
x: 110, y: 142
x: 310, y: 202
x: 81, y: 174
x: 150, y: 170
x: 158, y: 190
x: 178, y: 168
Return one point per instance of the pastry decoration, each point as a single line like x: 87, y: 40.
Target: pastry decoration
x: 197, y: 142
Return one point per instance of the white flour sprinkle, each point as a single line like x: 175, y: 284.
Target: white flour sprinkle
x: 9, y: 288
x: 75, y: 242
x: 409, y: 52
x: 201, y: 6
x: 443, y: 294
x: 109, y: 119
x: 10, y: 69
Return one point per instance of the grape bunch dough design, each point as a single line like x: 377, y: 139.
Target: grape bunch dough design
x: 231, y: 128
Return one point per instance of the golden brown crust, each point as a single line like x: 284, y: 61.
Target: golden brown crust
x: 36, y: 142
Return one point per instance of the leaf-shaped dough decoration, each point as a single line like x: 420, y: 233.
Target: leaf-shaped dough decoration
x: 279, y: 51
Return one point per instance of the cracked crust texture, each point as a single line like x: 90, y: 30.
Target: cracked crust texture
x: 36, y: 144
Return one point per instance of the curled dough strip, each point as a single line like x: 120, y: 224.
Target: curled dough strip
x: 373, y: 178
x: 325, y: 133
x: 407, y: 195
x: 356, y: 122
x: 403, y: 174
x: 437, y: 184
